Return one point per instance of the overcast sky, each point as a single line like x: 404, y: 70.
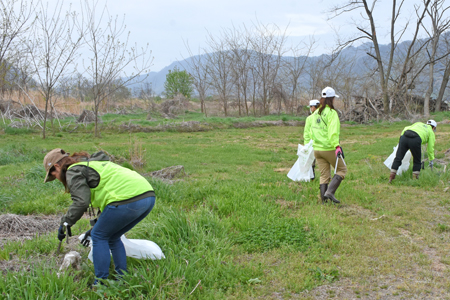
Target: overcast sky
x: 167, y: 25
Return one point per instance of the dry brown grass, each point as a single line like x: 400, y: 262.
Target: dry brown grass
x: 17, y: 228
x: 69, y: 105
x: 74, y: 106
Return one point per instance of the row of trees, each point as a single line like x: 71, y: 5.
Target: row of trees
x: 41, y: 46
x: 420, y: 55
x: 250, y: 68
x: 254, y: 69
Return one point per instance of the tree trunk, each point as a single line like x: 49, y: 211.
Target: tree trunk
x: 386, y: 106
x: 96, y: 120
x: 445, y: 79
x: 45, y: 118
x: 245, y: 100
x: 426, y: 100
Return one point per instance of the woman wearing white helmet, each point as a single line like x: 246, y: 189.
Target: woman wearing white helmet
x: 325, y: 131
x: 411, y: 139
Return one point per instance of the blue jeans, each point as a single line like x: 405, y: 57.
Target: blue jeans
x: 113, y: 222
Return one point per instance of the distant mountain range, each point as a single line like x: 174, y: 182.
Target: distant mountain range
x: 358, y: 54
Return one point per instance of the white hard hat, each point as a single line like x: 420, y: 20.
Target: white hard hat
x: 432, y: 123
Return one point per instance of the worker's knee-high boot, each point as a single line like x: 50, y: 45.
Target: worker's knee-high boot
x: 332, y: 187
x: 323, y: 189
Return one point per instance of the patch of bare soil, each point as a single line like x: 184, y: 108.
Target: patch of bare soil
x: 358, y: 211
x: 18, y: 228
x: 282, y: 170
x: 169, y: 174
x: 287, y: 204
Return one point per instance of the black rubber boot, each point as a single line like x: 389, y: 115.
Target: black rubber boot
x: 332, y: 187
x: 323, y: 189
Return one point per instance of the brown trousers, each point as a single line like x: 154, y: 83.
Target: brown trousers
x: 325, y: 160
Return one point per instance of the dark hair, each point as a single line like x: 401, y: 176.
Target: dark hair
x: 67, y: 161
x: 324, y: 102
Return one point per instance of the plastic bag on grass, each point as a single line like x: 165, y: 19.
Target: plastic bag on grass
x: 302, y: 169
x: 405, y: 162
x: 306, y: 154
x: 140, y: 249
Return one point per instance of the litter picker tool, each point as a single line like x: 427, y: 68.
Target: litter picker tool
x: 339, y: 156
x: 69, y: 233
x: 59, y: 247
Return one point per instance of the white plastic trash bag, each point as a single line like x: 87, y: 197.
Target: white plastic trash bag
x: 140, y: 249
x: 302, y: 169
x: 297, y: 174
x: 306, y: 154
x: 405, y: 162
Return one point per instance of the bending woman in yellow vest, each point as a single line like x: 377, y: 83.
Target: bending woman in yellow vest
x: 325, y: 130
x: 123, y: 196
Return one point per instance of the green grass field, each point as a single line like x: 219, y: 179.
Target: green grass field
x: 236, y: 227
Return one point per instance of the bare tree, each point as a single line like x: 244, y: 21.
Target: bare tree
x: 370, y: 32
x: 253, y: 86
x: 52, y: 49
x: 267, y: 42
x: 444, y: 66
x: 16, y: 18
x: 439, y: 24
x: 294, y: 68
x: 146, y: 91
x: 219, y: 69
x: 342, y: 76
x: 25, y: 73
x: 110, y: 56
x: 199, y: 72
x: 238, y: 42
x: 81, y: 87
x: 315, y: 69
